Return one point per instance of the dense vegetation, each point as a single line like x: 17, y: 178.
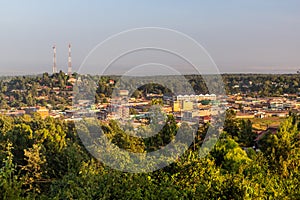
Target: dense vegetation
x: 57, y: 88
x: 44, y: 159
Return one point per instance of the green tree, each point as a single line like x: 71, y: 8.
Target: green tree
x: 246, y: 135
x: 10, y: 183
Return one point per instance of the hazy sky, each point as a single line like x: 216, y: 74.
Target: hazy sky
x: 240, y: 35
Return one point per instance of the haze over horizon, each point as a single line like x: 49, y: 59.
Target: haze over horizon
x: 241, y: 36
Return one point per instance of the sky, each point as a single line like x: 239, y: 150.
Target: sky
x: 248, y: 36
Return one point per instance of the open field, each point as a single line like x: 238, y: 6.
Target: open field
x: 262, y: 124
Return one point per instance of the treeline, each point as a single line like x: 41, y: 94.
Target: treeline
x: 55, y: 90
x: 45, y: 159
x: 23, y: 91
x: 262, y: 85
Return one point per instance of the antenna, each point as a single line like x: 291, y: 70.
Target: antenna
x: 69, y: 62
x: 54, y: 69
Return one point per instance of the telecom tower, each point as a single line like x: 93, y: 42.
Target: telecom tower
x: 69, y: 62
x: 54, y: 70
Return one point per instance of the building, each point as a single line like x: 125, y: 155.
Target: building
x: 176, y: 106
x: 190, y: 116
x: 16, y: 113
x: 43, y: 111
x: 240, y: 115
x: 206, y: 112
x: 119, y: 107
x: 187, y: 105
x: 277, y: 113
x: 195, y: 98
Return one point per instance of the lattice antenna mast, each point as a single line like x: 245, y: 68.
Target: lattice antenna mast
x: 54, y: 69
x: 69, y: 62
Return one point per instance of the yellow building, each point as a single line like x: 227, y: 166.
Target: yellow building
x: 44, y: 112
x: 204, y: 112
x: 176, y: 106
x: 240, y: 115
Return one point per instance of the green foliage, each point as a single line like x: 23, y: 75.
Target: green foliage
x: 240, y: 130
x: 45, y: 159
x: 229, y: 155
x: 246, y: 135
x: 10, y: 183
x: 33, y: 169
x: 282, y: 148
